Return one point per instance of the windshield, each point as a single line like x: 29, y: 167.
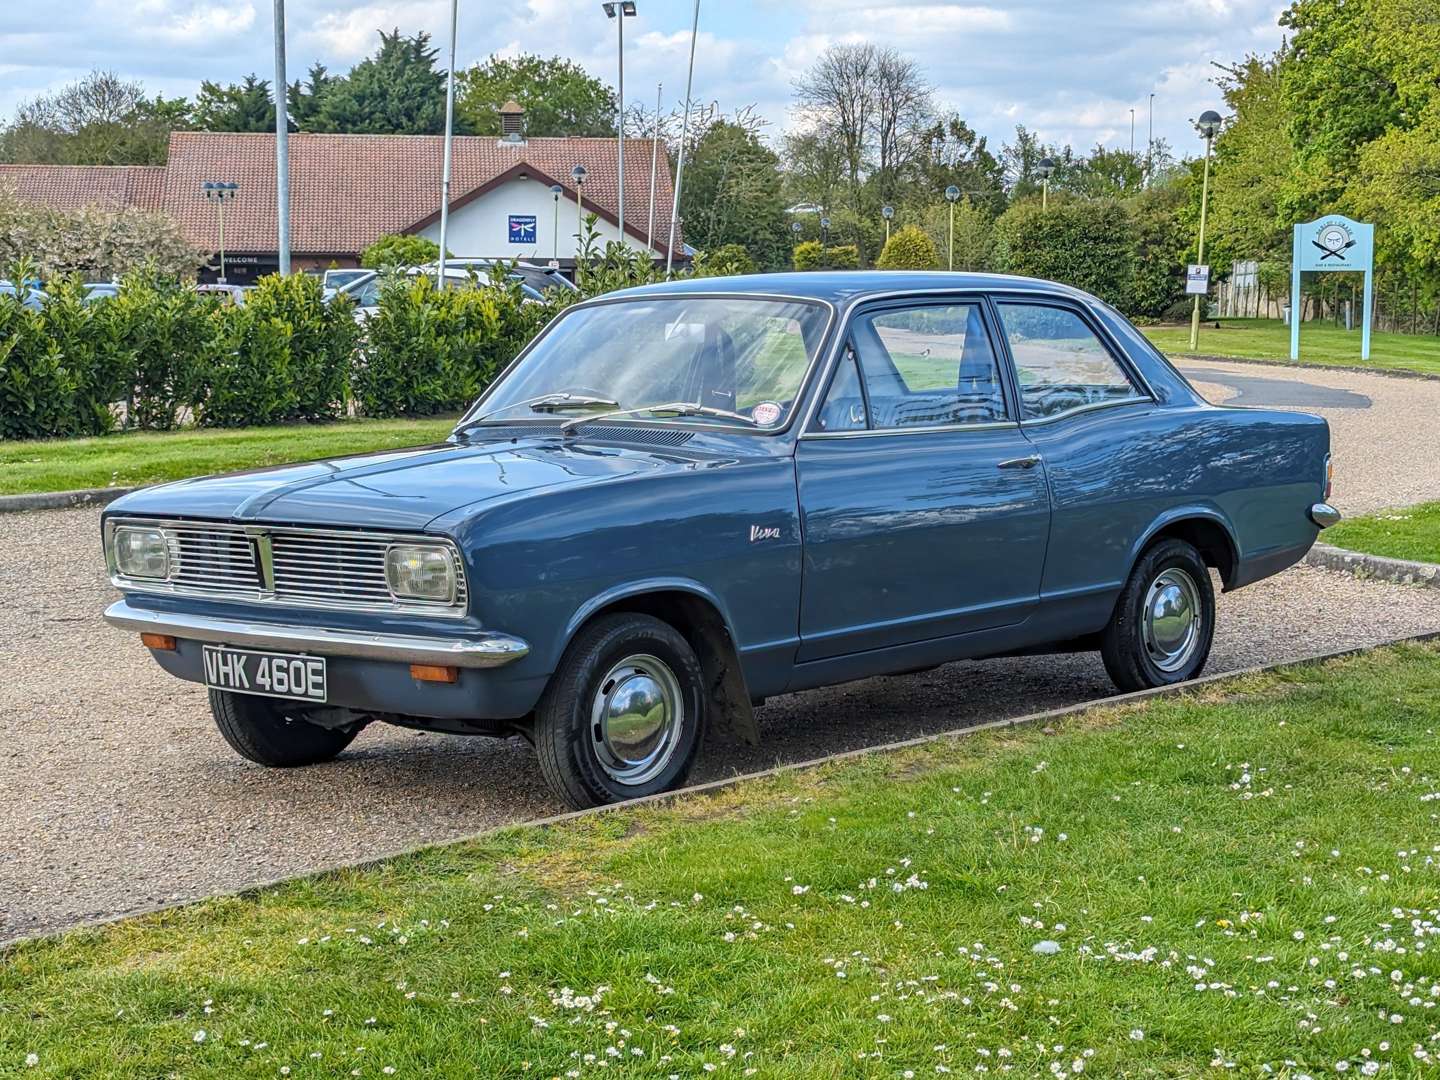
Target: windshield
x: 741, y: 355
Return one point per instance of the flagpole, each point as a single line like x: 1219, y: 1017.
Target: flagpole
x: 684, y: 134
x: 449, y: 148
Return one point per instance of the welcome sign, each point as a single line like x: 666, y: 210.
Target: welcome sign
x: 1334, y: 242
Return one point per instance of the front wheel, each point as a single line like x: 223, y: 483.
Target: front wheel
x: 1164, y: 621
x: 267, y: 733
x: 623, y: 715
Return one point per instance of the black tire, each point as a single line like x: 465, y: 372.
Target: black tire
x: 1134, y: 654
x: 260, y: 730
x: 573, y: 747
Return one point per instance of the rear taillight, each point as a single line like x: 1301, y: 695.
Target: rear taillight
x: 1329, y: 477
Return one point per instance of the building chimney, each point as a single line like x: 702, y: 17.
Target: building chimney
x: 512, y: 122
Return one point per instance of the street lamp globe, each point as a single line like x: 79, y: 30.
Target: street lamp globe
x: 1208, y: 124
x: 952, y: 194
x: 578, y: 174
x: 1045, y: 167
x: 797, y: 228
x: 887, y: 212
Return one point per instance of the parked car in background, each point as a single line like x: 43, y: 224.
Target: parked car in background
x: 234, y: 294
x: 96, y: 291
x: 685, y: 498
x: 534, y: 281
x: 338, y: 279
x: 31, y: 296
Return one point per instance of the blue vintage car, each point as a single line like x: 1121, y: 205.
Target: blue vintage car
x: 684, y: 498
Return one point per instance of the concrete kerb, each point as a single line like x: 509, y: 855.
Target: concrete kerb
x: 740, y: 778
x: 1375, y: 567
x: 61, y: 500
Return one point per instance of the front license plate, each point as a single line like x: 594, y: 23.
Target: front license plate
x: 269, y: 674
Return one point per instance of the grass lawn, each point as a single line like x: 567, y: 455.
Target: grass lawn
x: 1410, y: 533
x: 146, y: 458
x: 1320, y: 343
x: 1241, y: 881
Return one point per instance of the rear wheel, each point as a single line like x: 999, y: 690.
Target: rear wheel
x: 624, y: 713
x: 1164, y: 621
x: 268, y: 733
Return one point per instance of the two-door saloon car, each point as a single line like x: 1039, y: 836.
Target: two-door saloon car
x: 682, y: 499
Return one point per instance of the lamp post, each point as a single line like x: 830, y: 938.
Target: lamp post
x: 578, y: 175
x: 1209, y: 126
x: 1046, y: 168
x: 1132, y: 133
x: 952, y: 196
x: 887, y: 212
x: 556, y: 190
x: 620, y: 11
x: 218, y: 192
x: 1150, y: 141
x: 282, y: 145
x: 824, y: 232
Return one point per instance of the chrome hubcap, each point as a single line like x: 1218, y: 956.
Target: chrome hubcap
x: 1171, y: 620
x: 636, y: 718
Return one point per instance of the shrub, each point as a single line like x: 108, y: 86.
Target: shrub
x: 727, y: 260
x: 429, y: 351
x: 399, y: 249
x: 96, y: 241
x: 1087, y: 243
x: 908, y: 249
x: 810, y: 255
x: 164, y: 336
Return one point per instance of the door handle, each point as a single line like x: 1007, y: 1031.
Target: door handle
x: 1021, y: 462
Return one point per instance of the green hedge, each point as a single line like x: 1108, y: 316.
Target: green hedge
x: 160, y: 355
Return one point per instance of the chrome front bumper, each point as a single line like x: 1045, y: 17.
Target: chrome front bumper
x: 1324, y: 515
x: 486, y: 651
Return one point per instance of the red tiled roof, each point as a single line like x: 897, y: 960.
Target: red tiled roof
x: 347, y: 190
x: 70, y: 187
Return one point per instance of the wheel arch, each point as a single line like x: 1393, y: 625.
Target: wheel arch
x: 1204, y: 529
x: 699, y: 616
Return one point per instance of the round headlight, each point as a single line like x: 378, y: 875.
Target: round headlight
x: 141, y: 552
x: 420, y: 572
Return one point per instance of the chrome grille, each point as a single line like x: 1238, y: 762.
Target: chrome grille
x: 310, y: 567
x: 324, y: 567
x: 213, y: 560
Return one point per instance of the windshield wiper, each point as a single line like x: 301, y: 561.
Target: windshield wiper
x: 673, y: 408
x: 549, y: 403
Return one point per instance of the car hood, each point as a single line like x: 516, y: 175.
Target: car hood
x: 405, y: 489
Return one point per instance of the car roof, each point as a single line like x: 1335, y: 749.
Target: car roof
x: 842, y: 287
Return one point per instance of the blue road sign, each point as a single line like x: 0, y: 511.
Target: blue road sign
x: 1333, y: 242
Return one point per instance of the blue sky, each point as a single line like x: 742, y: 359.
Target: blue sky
x: 1070, y: 70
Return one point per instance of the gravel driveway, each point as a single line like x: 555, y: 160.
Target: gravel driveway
x: 116, y: 792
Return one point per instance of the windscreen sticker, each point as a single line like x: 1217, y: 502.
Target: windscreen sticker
x: 766, y: 413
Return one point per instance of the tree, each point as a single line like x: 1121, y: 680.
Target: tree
x: 908, y: 249
x: 558, y: 96
x: 732, y: 194
x: 244, y: 106
x: 954, y: 153
x: 399, y: 249
x: 1160, y: 243
x: 100, y: 119
x: 398, y: 91
x: 303, y: 99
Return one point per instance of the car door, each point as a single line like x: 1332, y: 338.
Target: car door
x: 1106, y: 446
x: 924, y: 507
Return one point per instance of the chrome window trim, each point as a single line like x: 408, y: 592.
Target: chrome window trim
x: 265, y: 595
x: 933, y: 429
x: 832, y: 317
x: 1094, y: 406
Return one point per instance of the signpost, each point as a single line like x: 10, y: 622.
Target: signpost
x: 1197, y: 279
x: 1333, y: 242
